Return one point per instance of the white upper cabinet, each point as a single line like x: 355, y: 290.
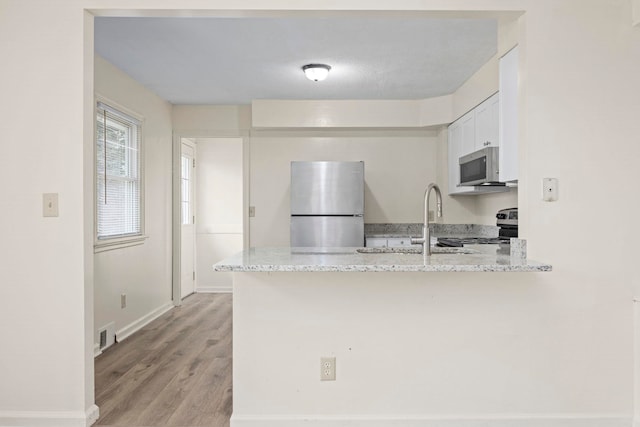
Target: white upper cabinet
x: 477, y: 129
x: 493, y: 123
x: 461, y: 142
x: 509, y: 116
x: 468, y: 133
x: 487, y: 123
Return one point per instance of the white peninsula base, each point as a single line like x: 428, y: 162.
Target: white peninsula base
x: 411, y: 349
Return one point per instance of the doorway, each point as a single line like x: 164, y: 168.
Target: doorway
x: 187, y: 218
x: 210, y: 183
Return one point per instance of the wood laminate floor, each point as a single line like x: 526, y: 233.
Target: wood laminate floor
x: 174, y: 372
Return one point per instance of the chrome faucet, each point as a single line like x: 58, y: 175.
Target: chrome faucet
x: 425, y: 240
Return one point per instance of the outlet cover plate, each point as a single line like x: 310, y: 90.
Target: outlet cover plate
x: 327, y: 369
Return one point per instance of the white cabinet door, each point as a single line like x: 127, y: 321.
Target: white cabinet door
x: 468, y: 133
x: 487, y: 123
x: 509, y: 116
x: 396, y: 242
x: 457, y: 147
x: 454, y: 147
x: 477, y: 129
x: 376, y: 242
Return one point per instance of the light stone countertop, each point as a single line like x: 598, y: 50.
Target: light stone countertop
x: 485, y: 258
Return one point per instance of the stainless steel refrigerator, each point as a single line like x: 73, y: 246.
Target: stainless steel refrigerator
x: 327, y: 204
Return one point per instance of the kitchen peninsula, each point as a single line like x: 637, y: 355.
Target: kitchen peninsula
x: 408, y: 335
x: 474, y: 258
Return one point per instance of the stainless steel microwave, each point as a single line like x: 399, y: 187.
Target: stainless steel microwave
x: 480, y: 167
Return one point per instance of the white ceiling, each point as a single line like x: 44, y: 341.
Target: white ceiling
x: 236, y: 60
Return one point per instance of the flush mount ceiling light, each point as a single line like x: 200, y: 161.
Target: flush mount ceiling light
x: 316, y: 72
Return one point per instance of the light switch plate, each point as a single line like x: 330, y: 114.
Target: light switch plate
x: 49, y: 204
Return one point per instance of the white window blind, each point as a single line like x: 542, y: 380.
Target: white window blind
x: 118, y: 174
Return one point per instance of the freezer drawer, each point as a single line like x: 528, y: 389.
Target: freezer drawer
x: 327, y: 231
x: 327, y: 188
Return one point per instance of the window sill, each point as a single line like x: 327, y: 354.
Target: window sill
x: 112, y: 244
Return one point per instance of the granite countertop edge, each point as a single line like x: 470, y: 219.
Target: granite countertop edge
x: 484, y: 258
x: 496, y: 268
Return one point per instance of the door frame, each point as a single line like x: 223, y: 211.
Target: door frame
x: 190, y: 142
x: 176, y: 169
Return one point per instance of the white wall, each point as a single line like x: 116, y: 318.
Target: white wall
x: 219, y: 208
x: 489, y: 204
x: 219, y: 121
x: 351, y: 113
x: 212, y: 120
x: 141, y: 272
x: 398, y: 167
x: 46, y: 362
x: 413, y: 349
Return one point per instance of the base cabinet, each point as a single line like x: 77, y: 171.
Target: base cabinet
x: 389, y: 242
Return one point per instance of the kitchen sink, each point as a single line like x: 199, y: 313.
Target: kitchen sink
x: 401, y: 250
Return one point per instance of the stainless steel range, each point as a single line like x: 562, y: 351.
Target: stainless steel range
x: 506, y: 219
x: 461, y: 241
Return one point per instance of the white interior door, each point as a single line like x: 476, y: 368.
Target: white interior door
x: 187, y: 207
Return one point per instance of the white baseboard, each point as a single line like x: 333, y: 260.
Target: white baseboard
x: 93, y: 413
x: 96, y: 350
x: 49, y: 418
x: 568, y: 420
x: 143, y: 321
x: 214, y: 289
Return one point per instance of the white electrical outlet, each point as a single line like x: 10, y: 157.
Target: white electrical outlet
x: 549, y: 189
x: 327, y: 369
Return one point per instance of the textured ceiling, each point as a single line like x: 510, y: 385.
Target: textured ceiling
x: 236, y: 60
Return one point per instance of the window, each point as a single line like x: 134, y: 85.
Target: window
x: 186, y: 190
x: 119, y: 206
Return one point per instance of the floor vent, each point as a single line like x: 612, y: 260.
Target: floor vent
x: 103, y: 339
x: 107, y: 335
